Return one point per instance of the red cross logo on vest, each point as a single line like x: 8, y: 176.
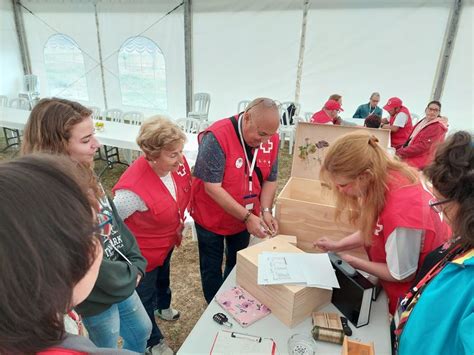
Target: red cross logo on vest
x: 267, y: 146
x: 181, y: 170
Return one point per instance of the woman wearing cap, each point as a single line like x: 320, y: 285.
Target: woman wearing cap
x: 152, y: 196
x: 328, y: 114
x: 418, y: 150
x: 441, y: 302
x: 51, y: 254
x: 389, y: 207
x: 113, y: 308
x: 399, y: 123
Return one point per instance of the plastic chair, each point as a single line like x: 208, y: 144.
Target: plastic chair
x: 95, y: 112
x: 242, y: 105
x: 133, y: 117
x: 20, y: 103
x: 201, y: 103
x: 414, y: 118
x: 287, y: 130
x: 3, y: 101
x: 191, y: 125
x: 113, y: 114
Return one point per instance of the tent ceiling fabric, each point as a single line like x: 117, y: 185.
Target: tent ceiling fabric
x: 243, y: 49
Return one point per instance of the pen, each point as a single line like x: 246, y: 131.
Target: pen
x: 246, y: 336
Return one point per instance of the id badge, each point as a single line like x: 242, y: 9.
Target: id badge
x: 250, y: 201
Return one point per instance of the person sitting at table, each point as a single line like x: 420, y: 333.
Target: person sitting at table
x: 373, y: 121
x: 440, y: 303
x: 418, y: 150
x: 389, y: 207
x: 328, y: 114
x: 370, y: 108
x: 113, y: 308
x: 51, y: 252
x: 152, y: 196
x: 399, y: 123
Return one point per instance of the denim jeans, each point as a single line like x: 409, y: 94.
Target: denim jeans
x: 155, y: 293
x: 211, y: 250
x: 127, y: 319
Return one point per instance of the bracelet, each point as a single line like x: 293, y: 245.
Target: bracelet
x: 247, y: 216
x: 266, y: 209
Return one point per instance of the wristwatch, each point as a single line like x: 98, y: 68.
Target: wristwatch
x: 266, y: 209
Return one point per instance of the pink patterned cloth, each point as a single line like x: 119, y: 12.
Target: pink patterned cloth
x: 243, y: 307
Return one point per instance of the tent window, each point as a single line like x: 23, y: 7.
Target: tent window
x: 142, y: 74
x: 65, y: 70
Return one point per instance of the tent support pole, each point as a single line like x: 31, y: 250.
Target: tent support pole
x: 101, y: 62
x: 188, y: 53
x: 299, y: 71
x: 21, y: 34
x: 446, y: 50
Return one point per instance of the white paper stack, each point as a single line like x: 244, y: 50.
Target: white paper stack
x: 306, y: 269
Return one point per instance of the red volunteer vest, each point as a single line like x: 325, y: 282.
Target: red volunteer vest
x: 421, y: 160
x: 401, y: 136
x: 321, y: 117
x: 205, y: 211
x: 406, y: 206
x: 156, y: 228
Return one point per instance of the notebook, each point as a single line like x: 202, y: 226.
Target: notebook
x: 242, y: 306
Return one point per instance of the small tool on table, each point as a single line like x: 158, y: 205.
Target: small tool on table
x: 222, y: 319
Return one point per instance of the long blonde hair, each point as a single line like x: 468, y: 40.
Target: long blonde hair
x: 350, y: 156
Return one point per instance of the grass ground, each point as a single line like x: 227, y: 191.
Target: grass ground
x: 185, y: 278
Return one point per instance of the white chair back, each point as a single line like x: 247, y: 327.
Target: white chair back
x: 3, y: 101
x: 414, y: 118
x: 201, y: 103
x: 242, y: 105
x: 30, y: 83
x: 307, y: 116
x: 113, y: 114
x: 20, y: 103
x: 95, y: 112
x: 284, y: 111
x: 133, y: 117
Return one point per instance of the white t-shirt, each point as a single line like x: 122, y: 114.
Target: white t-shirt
x: 128, y: 202
x: 402, y: 250
x: 400, y: 120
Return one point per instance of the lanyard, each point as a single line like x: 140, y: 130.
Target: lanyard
x: 371, y: 112
x: 251, y: 167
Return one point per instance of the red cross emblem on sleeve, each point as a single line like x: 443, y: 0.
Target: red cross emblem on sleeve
x: 267, y: 146
x: 181, y: 170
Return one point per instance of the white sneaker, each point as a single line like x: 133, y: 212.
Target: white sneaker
x: 160, y: 349
x: 170, y: 314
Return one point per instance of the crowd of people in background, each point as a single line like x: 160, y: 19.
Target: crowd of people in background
x: 82, y: 263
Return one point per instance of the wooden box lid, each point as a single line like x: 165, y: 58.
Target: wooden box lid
x: 320, y: 136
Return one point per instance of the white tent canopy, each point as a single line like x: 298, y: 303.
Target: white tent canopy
x: 244, y: 49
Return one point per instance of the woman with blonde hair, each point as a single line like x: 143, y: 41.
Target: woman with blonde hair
x: 389, y: 206
x: 152, y: 196
x: 113, y: 308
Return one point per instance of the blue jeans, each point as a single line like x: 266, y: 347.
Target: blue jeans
x: 127, y: 319
x: 211, y: 250
x: 155, y: 293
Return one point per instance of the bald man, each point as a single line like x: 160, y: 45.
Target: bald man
x: 234, y: 186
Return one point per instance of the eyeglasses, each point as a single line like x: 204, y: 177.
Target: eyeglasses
x: 435, y: 204
x: 433, y: 109
x: 266, y: 102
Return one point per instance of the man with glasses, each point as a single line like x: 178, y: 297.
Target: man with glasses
x: 329, y: 113
x: 234, y: 186
x: 399, y: 123
x: 371, y: 108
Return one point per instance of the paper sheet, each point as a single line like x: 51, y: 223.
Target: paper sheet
x: 312, y: 270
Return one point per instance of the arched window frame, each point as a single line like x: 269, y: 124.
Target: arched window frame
x: 76, y: 87
x: 150, y: 101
